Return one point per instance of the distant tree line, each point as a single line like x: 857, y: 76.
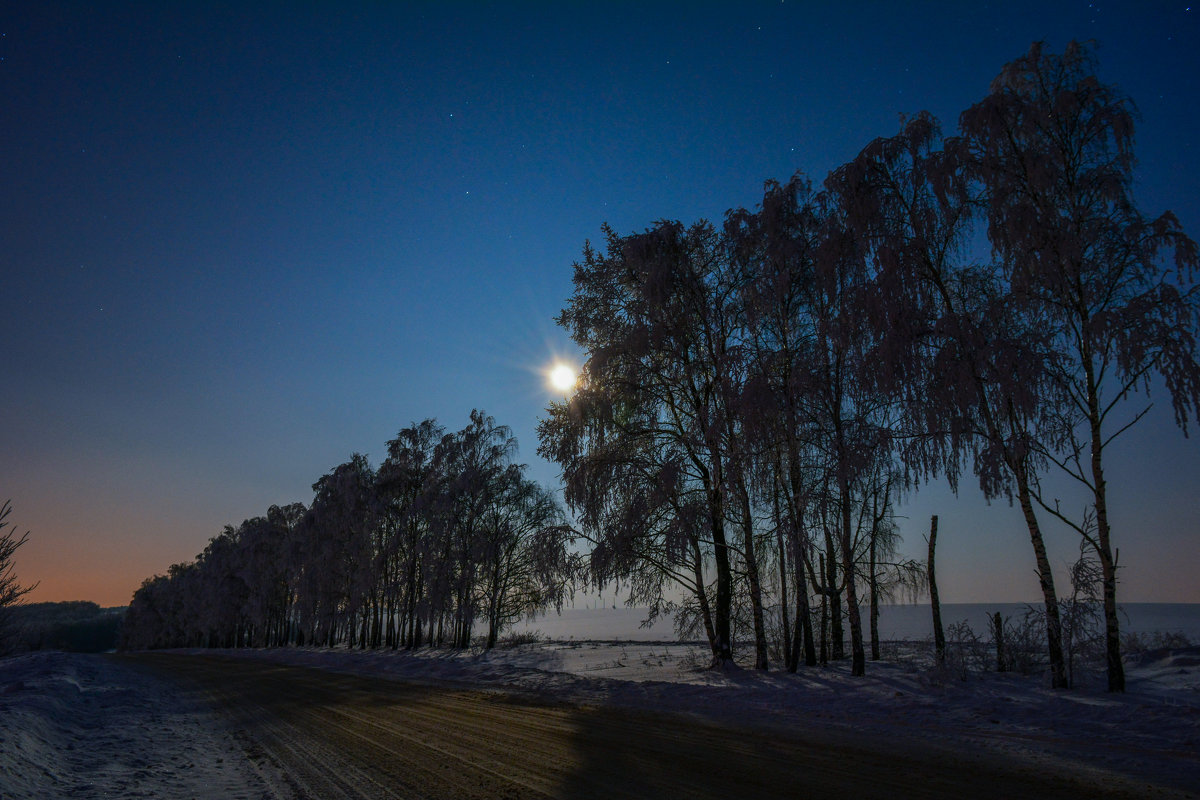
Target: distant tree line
x: 75, y: 626
x: 445, y: 539
x: 757, y: 395
x: 81, y: 627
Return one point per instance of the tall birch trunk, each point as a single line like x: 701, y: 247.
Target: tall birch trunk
x: 939, y: 636
x: 833, y: 600
x: 1058, y: 670
x: 724, y: 598
x: 804, y: 630
x: 752, y: 576
x: 824, y: 616
x: 1108, y: 562
x: 874, y: 587
x: 858, y: 660
x: 702, y: 598
x: 790, y: 659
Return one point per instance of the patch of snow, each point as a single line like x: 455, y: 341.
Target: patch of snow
x: 74, y: 725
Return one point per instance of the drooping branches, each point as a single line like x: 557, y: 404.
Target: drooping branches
x: 764, y: 379
x: 644, y: 443
x: 1051, y: 148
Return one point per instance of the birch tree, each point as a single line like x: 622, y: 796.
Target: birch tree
x: 966, y: 362
x: 524, y: 564
x: 1053, y: 148
x: 640, y: 505
x: 652, y: 313
x: 405, y: 479
x: 776, y: 247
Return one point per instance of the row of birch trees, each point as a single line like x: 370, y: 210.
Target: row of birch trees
x: 756, y: 395
x: 447, y: 539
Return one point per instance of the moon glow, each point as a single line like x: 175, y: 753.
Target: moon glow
x: 562, y: 377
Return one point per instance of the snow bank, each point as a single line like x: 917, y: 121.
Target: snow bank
x: 86, y: 726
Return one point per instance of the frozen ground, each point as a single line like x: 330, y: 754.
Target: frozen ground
x: 89, y: 726
x: 85, y: 726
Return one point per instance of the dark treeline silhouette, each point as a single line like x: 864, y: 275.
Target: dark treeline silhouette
x: 757, y: 395
x: 75, y: 626
x: 445, y: 538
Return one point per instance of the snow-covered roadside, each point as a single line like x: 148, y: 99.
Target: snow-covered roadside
x: 86, y: 726
x: 1151, y: 734
x: 91, y: 727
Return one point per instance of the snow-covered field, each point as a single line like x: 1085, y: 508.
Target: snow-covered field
x: 88, y: 726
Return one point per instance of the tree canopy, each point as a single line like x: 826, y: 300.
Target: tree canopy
x: 757, y: 395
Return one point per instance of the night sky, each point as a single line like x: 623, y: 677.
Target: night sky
x: 238, y: 245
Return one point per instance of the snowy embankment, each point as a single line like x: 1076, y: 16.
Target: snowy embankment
x: 86, y: 726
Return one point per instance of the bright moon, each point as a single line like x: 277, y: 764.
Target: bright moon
x: 562, y: 377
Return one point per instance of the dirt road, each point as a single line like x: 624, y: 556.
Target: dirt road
x: 337, y: 736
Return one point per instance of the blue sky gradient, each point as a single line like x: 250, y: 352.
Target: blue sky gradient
x: 239, y: 245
